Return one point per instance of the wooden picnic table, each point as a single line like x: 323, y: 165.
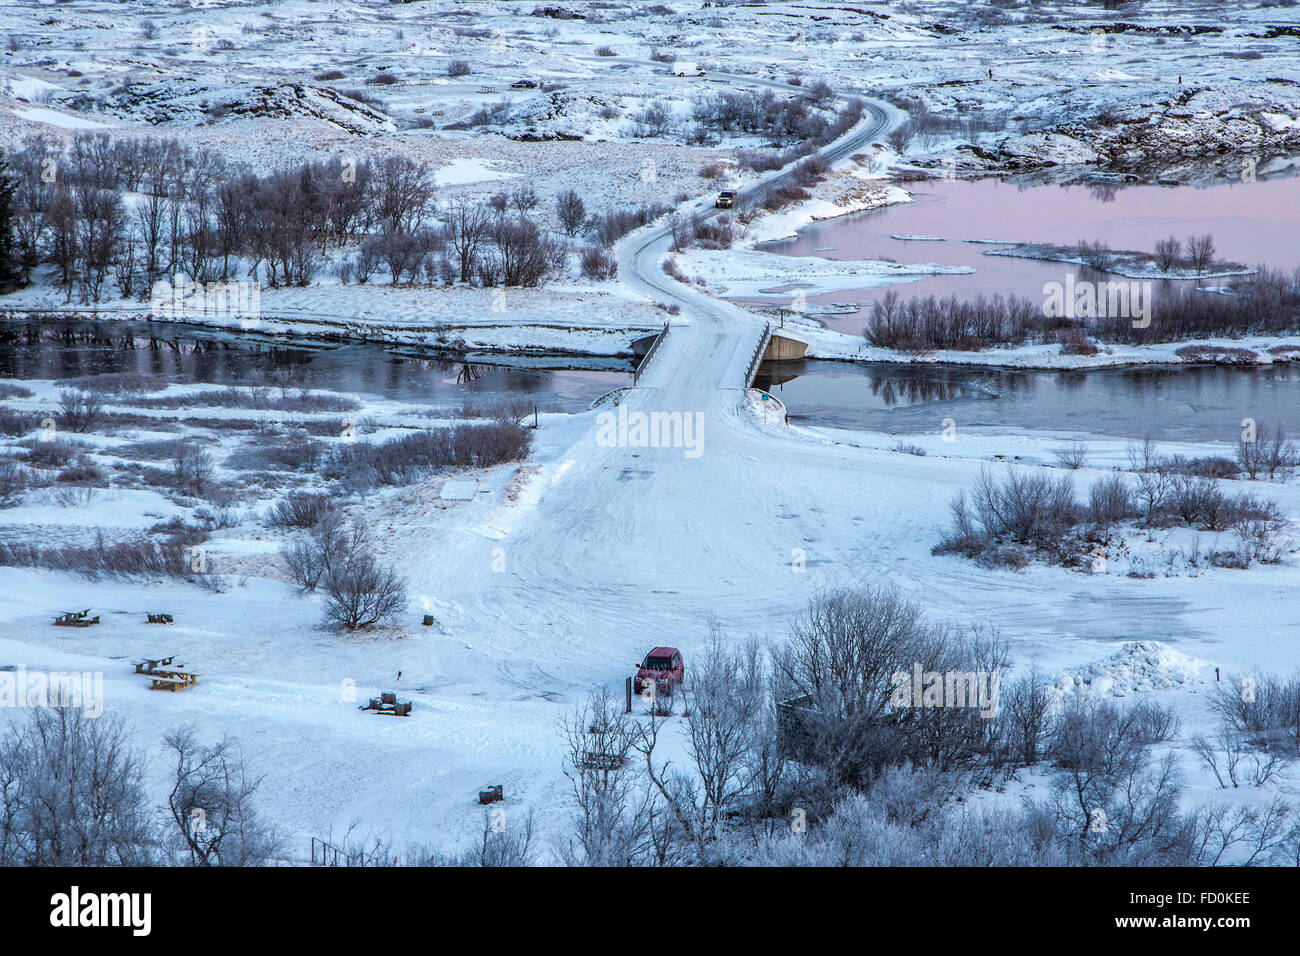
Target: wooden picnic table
x: 76, y: 619
x: 172, y: 680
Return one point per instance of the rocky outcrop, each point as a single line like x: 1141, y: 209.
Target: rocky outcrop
x: 1198, y: 124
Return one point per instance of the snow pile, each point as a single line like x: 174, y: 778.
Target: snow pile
x: 1138, y: 667
x: 1046, y: 148
x: 291, y: 100
x: 742, y: 272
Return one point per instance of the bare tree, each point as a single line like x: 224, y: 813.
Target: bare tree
x: 402, y: 194
x: 839, y: 667
x: 1153, y: 478
x: 525, y: 200
x: 361, y: 592
x: 71, y: 794
x: 1025, y: 712
x: 1112, y: 803
x: 466, y: 226
x: 611, y: 817
x: 729, y: 689
x: 523, y: 255
x: 211, y: 805
x: 1200, y: 252
x: 1168, y: 253
x: 571, y: 211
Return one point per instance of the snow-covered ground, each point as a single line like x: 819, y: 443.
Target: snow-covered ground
x: 559, y: 573
x: 559, y: 586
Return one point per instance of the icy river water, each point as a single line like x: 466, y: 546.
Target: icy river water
x: 1252, y: 223
x: 1192, y: 404
x: 186, y: 355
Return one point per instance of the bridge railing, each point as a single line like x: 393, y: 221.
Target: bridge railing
x: 640, y: 366
x: 757, y: 357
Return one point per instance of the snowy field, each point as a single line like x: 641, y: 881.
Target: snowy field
x: 547, y: 576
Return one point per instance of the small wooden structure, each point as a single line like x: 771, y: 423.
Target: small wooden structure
x: 163, y: 674
x: 149, y: 665
x: 158, y: 618
x: 387, y: 703
x: 492, y: 794
x: 593, y: 760
x: 76, y: 619
x: 172, y: 680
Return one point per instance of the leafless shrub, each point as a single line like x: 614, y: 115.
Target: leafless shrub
x: 1074, y: 455
x: 301, y: 510
x: 839, y: 664
x: 71, y: 792
x: 1268, y: 451
x: 458, y: 68
x: 1260, y: 529
x: 1075, y: 341
x: 1027, y: 506
x: 1153, y: 478
x: 1110, y: 501
x: 14, y: 480
x: 192, y: 466
x: 597, y: 263
x: 1207, y: 466
x: 652, y: 120
x: 361, y: 592
x: 78, y: 411
x: 1026, y: 718
x: 713, y: 234
x: 1262, y: 707
x: 362, y: 466
x: 509, y: 847
x: 900, y: 137
x: 609, y: 228
x: 72, y: 496
x: 1096, y: 254
x: 919, y: 324
x: 1233, y: 760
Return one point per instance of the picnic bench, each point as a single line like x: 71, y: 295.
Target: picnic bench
x: 387, y: 703
x: 158, y: 618
x: 165, y: 674
x: 172, y: 680
x: 593, y: 760
x: 76, y: 619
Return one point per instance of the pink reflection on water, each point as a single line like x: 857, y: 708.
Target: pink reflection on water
x: 1252, y: 223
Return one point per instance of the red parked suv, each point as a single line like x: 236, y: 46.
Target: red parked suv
x: 664, y: 666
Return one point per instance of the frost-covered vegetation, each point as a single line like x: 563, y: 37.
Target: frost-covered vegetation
x: 1003, y: 521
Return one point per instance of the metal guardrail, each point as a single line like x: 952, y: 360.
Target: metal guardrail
x: 636, y: 373
x: 757, y: 357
